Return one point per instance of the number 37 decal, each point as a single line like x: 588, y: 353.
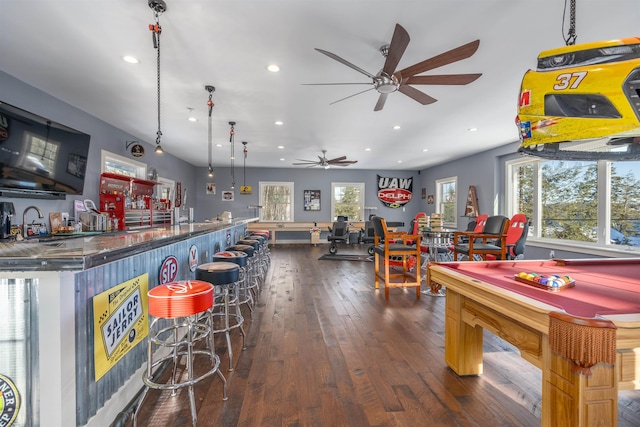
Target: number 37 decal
x: 569, y: 80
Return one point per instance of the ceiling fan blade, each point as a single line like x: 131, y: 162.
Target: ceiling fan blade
x: 399, y: 43
x: 345, y: 62
x: 304, y: 164
x: 381, y: 100
x: 417, y: 95
x: 449, y: 79
x: 344, y: 163
x: 337, y: 159
x: 453, y: 55
x: 305, y: 160
x: 332, y: 84
x: 351, y: 96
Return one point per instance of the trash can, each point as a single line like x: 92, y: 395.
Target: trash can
x: 315, y: 236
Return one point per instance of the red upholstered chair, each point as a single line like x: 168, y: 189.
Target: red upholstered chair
x: 516, y: 237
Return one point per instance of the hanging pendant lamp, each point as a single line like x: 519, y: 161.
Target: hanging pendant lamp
x: 210, y: 104
x: 233, y: 158
x: 158, y: 7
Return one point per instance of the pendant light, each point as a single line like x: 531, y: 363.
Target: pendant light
x: 210, y: 104
x: 233, y: 174
x: 158, y: 7
x: 244, y: 165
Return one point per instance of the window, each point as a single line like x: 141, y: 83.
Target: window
x: 347, y: 199
x: 123, y: 166
x: 596, y: 202
x: 276, y: 199
x: 446, y: 201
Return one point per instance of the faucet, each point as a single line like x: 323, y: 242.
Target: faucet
x: 24, y: 219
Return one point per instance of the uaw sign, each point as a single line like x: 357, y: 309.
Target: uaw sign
x: 395, y: 192
x: 120, y: 322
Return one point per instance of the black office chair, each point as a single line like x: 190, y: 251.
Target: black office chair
x: 368, y: 235
x: 339, y: 233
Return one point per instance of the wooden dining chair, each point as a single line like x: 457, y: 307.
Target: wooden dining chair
x: 394, y: 248
x: 492, y: 240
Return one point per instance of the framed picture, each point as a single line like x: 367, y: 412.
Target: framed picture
x: 311, y: 200
x: 77, y: 165
x: 227, y: 196
x: 211, y: 188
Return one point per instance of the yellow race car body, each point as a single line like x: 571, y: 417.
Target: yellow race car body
x: 583, y: 102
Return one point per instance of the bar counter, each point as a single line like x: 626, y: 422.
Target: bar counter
x: 60, y: 252
x: 57, y: 297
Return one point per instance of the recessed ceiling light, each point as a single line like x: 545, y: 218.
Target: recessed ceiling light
x: 192, y: 119
x: 218, y: 145
x: 472, y: 129
x: 130, y: 59
x: 281, y: 146
x: 399, y: 161
x: 396, y: 127
x: 278, y: 123
x: 367, y: 149
x: 282, y: 160
x: 273, y: 68
x: 425, y: 150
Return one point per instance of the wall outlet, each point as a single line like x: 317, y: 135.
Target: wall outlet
x: 552, y: 254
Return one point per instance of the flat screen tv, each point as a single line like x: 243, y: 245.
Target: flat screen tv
x: 40, y: 158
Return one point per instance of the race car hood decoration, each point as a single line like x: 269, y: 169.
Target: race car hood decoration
x: 583, y: 102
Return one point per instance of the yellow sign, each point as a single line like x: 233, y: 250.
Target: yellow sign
x: 245, y: 189
x: 120, y: 321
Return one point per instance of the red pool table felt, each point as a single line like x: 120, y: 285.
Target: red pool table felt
x: 602, y: 286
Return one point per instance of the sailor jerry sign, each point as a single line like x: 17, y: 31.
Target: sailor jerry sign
x: 395, y: 192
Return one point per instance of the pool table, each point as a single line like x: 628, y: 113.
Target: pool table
x: 605, y: 300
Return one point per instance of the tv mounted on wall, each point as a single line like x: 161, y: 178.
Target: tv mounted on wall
x: 40, y: 158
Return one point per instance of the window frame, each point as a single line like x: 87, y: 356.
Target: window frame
x: 139, y: 167
x: 439, y: 187
x: 361, y: 204
x: 262, y: 185
x: 604, y: 182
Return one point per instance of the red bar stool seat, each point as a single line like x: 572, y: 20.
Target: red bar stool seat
x: 174, y: 310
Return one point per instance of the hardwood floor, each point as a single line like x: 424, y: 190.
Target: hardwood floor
x: 324, y: 348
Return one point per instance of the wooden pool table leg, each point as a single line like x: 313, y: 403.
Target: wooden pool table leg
x: 571, y: 399
x: 462, y: 342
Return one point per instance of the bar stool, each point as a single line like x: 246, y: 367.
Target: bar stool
x: 237, y: 257
x: 181, y: 302
x: 252, y: 267
x: 264, y: 244
x: 224, y: 276
x: 260, y: 257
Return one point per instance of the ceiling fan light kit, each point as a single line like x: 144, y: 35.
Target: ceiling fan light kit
x: 390, y: 80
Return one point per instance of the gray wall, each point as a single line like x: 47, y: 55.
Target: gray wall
x: 304, y: 179
x: 103, y: 136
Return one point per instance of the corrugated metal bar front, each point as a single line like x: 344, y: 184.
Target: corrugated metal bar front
x: 92, y: 395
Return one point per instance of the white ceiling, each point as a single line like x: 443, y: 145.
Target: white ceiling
x: 73, y: 50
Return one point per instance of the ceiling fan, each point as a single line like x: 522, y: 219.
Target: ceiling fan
x: 389, y: 80
x: 324, y: 162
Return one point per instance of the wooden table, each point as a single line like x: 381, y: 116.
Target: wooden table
x: 485, y: 295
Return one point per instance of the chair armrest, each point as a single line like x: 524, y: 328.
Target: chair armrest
x: 463, y: 234
x: 415, y: 238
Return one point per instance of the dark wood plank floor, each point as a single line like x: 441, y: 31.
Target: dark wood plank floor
x: 324, y: 348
